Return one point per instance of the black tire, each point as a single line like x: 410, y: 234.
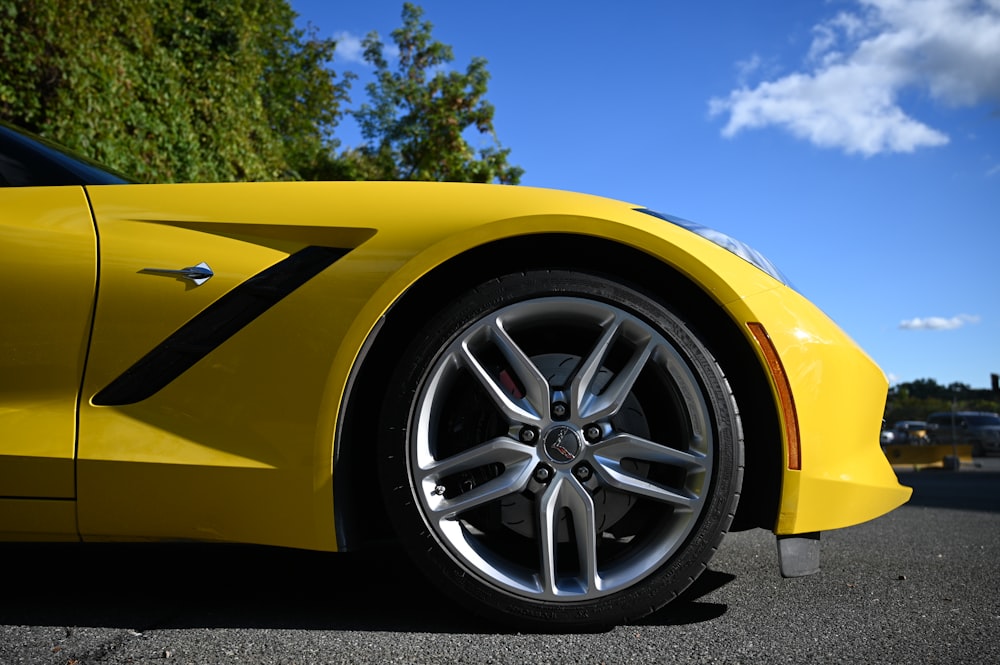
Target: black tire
x: 559, y: 451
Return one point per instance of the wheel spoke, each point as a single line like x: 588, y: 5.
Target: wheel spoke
x: 534, y: 402
x: 516, y: 459
x: 567, y: 494
x: 614, y: 475
x: 548, y: 536
x: 593, y: 406
x: 501, y: 450
x: 621, y: 446
x: 513, y: 480
x: 535, y: 385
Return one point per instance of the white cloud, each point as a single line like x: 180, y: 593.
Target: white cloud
x: 349, y: 48
x: 747, y: 68
x: 938, y: 322
x: 858, y: 64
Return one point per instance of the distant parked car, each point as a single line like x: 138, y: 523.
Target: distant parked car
x: 979, y: 429
x: 913, y: 432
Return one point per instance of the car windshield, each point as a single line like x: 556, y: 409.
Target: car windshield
x: 983, y: 421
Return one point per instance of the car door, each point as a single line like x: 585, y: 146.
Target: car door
x: 48, y: 273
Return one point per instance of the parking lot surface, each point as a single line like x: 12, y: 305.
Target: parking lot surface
x: 920, y: 585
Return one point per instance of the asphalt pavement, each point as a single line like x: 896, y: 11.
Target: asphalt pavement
x: 920, y: 585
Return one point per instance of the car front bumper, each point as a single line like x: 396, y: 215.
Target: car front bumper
x: 839, y: 393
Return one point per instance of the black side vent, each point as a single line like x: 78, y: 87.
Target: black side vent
x: 216, y: 324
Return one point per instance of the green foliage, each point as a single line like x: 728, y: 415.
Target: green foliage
x: 199, y: 90
x: 173, y: 89
x: 916, y: 400
x: 419, y: 115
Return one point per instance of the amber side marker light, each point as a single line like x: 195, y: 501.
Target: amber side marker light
x: 786, y: 403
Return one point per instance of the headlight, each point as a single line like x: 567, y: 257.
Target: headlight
x: 740, y: 249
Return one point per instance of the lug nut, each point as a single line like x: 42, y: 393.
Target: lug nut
x: 592, y: 433
x: 559, y: 409
x: 542, y: 473
x: 582, y: 472
x: 527, y: 434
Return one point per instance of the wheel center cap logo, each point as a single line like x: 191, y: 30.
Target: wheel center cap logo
x: 562, y: 445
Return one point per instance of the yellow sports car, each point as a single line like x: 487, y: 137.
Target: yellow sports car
x: 557, y: 403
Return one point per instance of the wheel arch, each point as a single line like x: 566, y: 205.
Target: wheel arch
x: 361, y: 518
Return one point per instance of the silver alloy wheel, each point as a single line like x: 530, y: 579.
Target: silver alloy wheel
x: 560, y: 448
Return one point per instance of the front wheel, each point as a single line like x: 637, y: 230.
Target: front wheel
x: 560, y: 451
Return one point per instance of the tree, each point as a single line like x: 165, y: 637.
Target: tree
x: 914, y: 400
x: 419, y: 116
x: 199, y: 90
x: 174, y: 89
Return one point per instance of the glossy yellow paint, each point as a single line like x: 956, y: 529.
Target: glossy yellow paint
x: 839, y: 395
x: 251, y: 460
x: 48, y: 269
x: 240, y: 447
x: 839, y: 392
x: 226, y: 451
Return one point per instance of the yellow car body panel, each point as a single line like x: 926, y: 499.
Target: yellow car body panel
x: 48, y: 268
x: 240, y: 446
x: 844, y: 477
x: 232, y: 449
x: 38, y: 520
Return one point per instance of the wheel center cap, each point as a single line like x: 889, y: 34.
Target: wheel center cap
x: 562, y: 444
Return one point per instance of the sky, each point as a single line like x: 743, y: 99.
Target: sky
x: 856, y: 143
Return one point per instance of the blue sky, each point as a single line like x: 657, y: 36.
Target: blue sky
x: 856, y: 143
